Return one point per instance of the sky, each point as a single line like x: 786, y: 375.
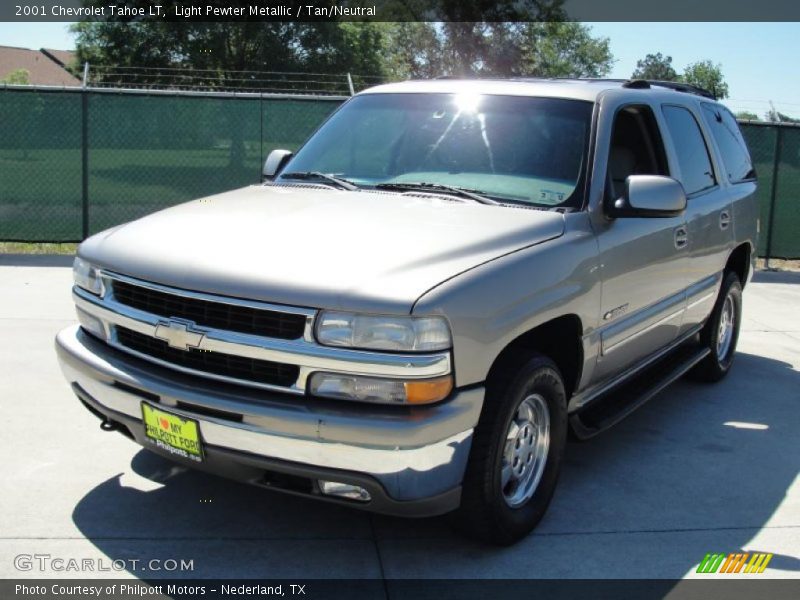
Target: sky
x: 758, y: 59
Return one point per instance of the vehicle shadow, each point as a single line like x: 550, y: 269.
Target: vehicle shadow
x: 36, y: 260
x: 764, y: 276
x: 699, y: 469
x: 160, y: 510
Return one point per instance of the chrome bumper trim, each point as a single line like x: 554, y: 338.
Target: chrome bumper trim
x: 414, y: 453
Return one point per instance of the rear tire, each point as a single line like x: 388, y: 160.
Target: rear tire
x: 516, y: 453
x: 721, y: 333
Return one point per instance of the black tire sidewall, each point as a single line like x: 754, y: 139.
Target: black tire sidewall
x: 537, y: 376
x: 733, y: 288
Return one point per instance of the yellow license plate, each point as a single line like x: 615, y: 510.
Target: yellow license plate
x: 172, y: 433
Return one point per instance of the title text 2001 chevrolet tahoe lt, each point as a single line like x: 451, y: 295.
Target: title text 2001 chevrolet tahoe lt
x: 416, y: 307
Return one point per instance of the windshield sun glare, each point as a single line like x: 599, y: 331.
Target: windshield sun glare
x: 513, y: 148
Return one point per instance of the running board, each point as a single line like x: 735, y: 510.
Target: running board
x: 616, y: 404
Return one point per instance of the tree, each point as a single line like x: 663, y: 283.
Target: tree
x: 415, y: 51
x: 703, y: 73
x: 551, y: 49
x: 565, y: 49
x: 464, y: 38
x: 746, y: 115
x: 17, y: 77
x: 227, y: 55
x: 707, y: 75
x: 517, y: 38
x: 655, y: 67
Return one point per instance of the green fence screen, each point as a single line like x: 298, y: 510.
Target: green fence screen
x: 143, y: 152
x: 40, y: 166
x: 776, y: 153
x: 146, y: 151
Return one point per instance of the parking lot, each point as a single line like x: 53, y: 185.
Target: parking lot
x: 699, y: 469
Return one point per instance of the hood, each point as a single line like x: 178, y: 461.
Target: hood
x: 317, y: 247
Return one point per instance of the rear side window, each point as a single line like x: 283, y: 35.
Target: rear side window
x: 732, y: 146
x: 695, y: 163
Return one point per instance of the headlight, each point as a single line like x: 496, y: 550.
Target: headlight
x: 87, y: 276
x: 382, y: 391
x: 369, y: 332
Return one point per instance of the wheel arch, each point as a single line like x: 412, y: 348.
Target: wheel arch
x: 558, y: 339
x: 739, y: 262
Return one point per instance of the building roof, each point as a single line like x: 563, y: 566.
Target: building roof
x: 43, y: 69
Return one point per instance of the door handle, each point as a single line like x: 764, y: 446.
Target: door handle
x: 724, y: 219
x: 681, y: 237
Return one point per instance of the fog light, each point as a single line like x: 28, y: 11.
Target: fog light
x: 91, y: 324
x: 382, y: 391
x: 344, y: 490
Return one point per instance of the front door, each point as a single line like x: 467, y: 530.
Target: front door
x: 642, y: 259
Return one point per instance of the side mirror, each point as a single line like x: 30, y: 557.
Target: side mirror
x: 274, y: 164
x: 650, y: 196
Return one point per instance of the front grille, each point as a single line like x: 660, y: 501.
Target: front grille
x: 237, y: 367
x: 207, y: 313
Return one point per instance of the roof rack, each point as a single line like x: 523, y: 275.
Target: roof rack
x: 678, y: 86
x: 637, y: 84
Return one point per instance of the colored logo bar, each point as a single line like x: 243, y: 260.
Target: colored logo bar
x: 735, y: 562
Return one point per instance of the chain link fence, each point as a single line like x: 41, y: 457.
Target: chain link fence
x: 775, y: 149
x: 74, y: 162
x: 177, y: 78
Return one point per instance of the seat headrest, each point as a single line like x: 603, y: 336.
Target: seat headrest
x: 621, y: 163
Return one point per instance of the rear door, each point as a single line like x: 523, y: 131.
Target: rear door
x: 708, y: 211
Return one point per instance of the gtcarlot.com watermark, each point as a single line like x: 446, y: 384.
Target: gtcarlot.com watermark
x: 47, y: 563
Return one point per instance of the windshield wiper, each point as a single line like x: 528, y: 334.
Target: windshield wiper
x: 440, y: 187
x: 319, y: 176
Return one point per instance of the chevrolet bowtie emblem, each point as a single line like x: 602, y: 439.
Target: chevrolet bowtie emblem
x: 179, y: 334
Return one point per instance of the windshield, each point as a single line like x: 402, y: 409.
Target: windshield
x: 512, y: 148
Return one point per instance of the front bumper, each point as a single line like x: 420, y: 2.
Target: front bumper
x: 410, y: 459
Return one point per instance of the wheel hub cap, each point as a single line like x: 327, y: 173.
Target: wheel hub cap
x: 726, y: 326
x: 525, y: 454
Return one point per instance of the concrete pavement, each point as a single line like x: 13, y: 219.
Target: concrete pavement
x: 698, y: 469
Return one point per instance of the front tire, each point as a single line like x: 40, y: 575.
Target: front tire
x: 721, y: 332
x: 516, y: 453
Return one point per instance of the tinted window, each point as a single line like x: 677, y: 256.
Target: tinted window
x: 696, y: 171
x: 522, y: 149
x: 636, y: 148
x: 731, y: 144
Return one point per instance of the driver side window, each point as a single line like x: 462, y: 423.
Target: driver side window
x: 636, y: 148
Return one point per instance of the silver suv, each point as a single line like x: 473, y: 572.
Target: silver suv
x: 412, y: 311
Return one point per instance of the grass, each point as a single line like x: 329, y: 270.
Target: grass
x: 36, y: 248
x: 779, y: 264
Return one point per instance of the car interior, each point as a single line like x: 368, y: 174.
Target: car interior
x: 636, y: 149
